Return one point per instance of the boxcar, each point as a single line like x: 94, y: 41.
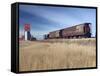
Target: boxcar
x: 54, y: 34
x: 81, y: 30
x: 77, y: 31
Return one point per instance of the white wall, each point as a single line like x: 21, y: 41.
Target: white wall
x: 5, y: 25
x: 26, y: 37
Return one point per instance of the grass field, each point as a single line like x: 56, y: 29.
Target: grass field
x: 57, y: 54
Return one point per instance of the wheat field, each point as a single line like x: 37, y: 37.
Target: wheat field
x: 57, y: 54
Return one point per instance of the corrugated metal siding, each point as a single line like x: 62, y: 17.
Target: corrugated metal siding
x: 75, y: 30
x: 54, y: 34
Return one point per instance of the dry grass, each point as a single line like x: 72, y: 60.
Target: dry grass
x: 57, y: 54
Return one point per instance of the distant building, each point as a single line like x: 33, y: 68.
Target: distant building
x: 27, y: 34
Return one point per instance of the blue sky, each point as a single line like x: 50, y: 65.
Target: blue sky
x: 44, y: 19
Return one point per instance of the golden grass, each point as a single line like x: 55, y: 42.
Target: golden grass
x: 57, y: 54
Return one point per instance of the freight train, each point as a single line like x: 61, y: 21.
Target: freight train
x: 78, y: 31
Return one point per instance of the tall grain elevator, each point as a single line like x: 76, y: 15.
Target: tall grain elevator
x: 27, y: 35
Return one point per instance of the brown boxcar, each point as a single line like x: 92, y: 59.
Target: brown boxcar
x: 54, y: 34
x: 77, y: 31
x: 81, y: 30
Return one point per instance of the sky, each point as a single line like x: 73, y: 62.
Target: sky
x: 44, y: 19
